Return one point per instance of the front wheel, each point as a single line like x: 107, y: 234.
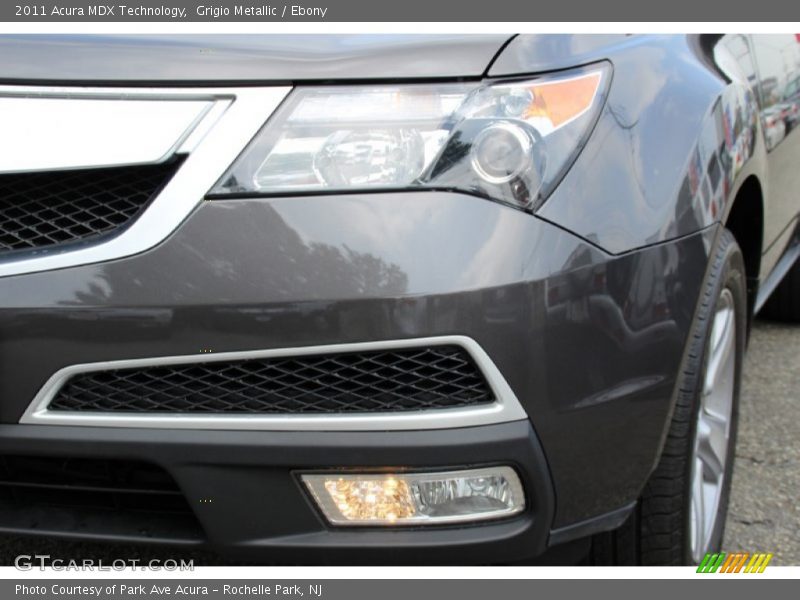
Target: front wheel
x: 681, y: 514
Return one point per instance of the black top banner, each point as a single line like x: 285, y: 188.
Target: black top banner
x: 408, y: 10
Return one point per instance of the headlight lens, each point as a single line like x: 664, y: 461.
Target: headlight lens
x: 510, y: 141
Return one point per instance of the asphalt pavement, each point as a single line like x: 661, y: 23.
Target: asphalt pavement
x: 763, y: 516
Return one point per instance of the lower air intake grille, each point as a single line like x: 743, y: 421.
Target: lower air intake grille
x: 382, y: 381
x: 40, y: 210
x: 93, y: 497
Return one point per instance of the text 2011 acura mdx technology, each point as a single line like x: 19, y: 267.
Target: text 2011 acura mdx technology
x: 388, y: 298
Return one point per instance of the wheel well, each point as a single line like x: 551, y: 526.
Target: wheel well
x: 746, y: 223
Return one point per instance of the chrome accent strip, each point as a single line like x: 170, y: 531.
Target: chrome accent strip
x: 507, y: 407
x: 203, y: 127
x: 213, y: 150
x: 53, y: 134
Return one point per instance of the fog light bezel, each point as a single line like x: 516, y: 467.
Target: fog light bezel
x: 312, y: 483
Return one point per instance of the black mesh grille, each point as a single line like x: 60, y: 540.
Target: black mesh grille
x: 38, y: 210
x: 400, y: 380
x: 82, y: 496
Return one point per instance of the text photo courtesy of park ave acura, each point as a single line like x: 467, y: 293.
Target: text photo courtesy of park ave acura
x: 399, y: 299
x: 162, y: 590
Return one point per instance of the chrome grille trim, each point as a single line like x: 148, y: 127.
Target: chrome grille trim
x: 506, y: 408
x: 46, y: 132
x: 235, y: 116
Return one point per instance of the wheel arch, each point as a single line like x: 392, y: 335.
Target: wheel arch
x: 745, y: 220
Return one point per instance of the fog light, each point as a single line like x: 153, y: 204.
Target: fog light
x: 417, y: 498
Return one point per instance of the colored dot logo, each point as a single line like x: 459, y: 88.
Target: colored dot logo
x: 734, y: 562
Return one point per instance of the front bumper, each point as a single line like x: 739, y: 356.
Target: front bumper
x: 590, y: 344
x: 249, y: 502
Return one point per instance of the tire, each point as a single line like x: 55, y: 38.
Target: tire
x: 784, y: 303
x: 660, y: 530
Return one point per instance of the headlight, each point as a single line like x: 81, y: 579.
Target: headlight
x: 510, y: 141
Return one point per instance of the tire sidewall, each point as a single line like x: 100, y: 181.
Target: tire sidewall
x: 730, y: 276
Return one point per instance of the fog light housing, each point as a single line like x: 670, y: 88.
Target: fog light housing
x: 417, y: 498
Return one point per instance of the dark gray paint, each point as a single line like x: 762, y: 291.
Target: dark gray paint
x: 676, y: 142
x: 590, y: 343
x: 174, y: 59
x: 535, y: 53
x: 589, y: 328
x: 259, y: 510
x: 639, y: 180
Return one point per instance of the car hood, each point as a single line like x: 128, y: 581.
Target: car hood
x: 243, y: 58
